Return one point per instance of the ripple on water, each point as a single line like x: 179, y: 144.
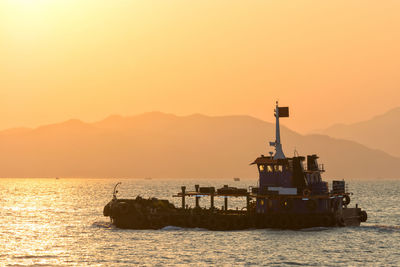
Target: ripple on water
x: 102, y: 224
x: 59, y: 222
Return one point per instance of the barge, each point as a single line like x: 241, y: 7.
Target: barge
x: 289, y: 195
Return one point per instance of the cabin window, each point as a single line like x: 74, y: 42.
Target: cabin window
x: 261, y: 167
x: 269, y: 168
x: 278, y: 168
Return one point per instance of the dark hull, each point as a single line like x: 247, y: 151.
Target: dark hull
x: 135, y: 216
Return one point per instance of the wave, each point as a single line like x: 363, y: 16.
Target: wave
x: 315, y: 229
x: 382, y: 227
x: 176, y: 228
x: 379, y: 227
x: 34, y: 256
x: 102, y: 224
x: 171, y: 228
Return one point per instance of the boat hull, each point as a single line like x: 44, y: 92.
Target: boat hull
x: 150, y: 214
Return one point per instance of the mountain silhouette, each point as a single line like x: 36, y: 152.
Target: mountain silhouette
x: 163, y: 145
x: 381, y: 132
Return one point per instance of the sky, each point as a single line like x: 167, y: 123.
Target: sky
x: 330, y: 61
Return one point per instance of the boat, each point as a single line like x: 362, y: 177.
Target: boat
x: 236, y: 179
x: 290, y: 195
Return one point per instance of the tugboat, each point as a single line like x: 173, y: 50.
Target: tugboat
x: 289, y: 196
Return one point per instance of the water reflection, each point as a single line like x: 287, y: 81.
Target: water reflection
x: 57, y: 222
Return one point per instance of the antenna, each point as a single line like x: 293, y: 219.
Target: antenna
x: 295, y: 154
x: 115, y: 190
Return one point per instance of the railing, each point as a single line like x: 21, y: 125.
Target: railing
x: 320, y: 168
x: 339, y: 187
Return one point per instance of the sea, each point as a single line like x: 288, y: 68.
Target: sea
x: 60, y: 222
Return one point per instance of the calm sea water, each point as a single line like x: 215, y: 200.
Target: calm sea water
x: 46, y: 222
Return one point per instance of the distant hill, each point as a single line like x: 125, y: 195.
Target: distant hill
x: 162, y: 145
x: 381, y: 132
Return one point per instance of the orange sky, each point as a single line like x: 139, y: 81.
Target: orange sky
x: 330, y: 61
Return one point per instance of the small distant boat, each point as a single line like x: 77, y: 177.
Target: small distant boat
x: 148, y: 178
x: 236, y: 179
x: 57, y: 178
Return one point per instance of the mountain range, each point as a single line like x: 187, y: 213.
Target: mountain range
x: 160, y: 145
x: 381, y: 132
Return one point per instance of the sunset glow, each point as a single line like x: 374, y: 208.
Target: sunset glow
x: 199, y: 133
x: 330, y: 61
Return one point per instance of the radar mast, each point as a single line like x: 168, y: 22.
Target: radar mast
x: 279, y: 112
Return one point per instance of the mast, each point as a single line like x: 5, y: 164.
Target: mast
x: 279, y: 112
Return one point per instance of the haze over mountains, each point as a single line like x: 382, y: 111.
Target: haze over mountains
x: 162, y: 145
x: 381, y: 132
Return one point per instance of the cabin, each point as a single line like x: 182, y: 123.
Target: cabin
x: 285, y: 184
